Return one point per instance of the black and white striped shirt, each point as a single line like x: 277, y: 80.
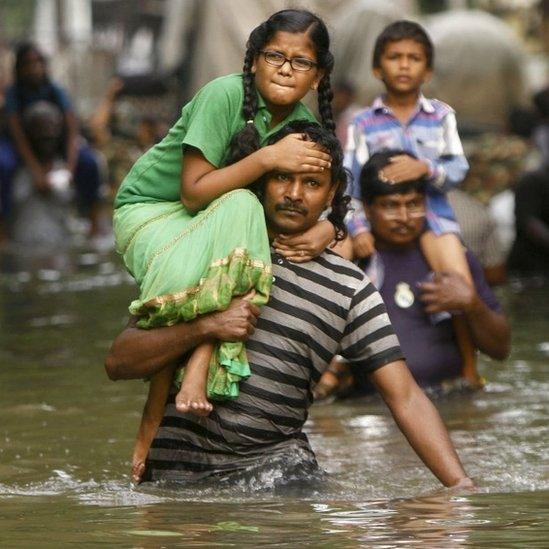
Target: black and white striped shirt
x: 317, y: 310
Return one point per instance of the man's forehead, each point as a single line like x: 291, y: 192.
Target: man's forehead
x: 409, y: 195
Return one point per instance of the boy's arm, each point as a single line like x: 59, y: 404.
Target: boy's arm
x: 420, y: 423
x: 450, y: 168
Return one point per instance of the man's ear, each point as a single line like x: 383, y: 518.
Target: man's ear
x: 427, y: 76
x: 377, y: 73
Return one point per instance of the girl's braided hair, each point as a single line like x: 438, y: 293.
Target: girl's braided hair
x: 294, y: 21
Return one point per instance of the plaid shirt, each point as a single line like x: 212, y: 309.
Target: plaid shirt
x: 430, y: 134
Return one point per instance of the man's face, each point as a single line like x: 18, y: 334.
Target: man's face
x: 403, y: 66
x: 293, y: 202
x: 397, y: 219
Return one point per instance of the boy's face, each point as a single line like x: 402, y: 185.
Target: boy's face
x: 403, y: 67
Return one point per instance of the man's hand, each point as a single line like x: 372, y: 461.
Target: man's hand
x: 363, y: 244
x: 237, y: 323
x: 448, y: 292
x: 403, y: 168
x: 302, y: 247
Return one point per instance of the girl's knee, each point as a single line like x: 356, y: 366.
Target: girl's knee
x: 243, y: 202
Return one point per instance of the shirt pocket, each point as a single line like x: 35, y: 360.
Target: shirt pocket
x: 430, y: 143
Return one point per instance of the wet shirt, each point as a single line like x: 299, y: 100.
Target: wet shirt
x: 431, y: 350
x: 316, y: 310
x: 208, y: 123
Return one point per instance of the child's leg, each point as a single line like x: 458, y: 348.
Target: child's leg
x: 446, y: 253
x: 150, y: 420
x: 192, y: 395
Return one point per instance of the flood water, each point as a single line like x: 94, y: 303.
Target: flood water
x: 66, y: 436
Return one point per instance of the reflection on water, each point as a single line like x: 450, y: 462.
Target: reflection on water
x: 67, y: 432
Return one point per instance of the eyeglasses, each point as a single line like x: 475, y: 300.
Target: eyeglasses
x: 301, y: 64
x: 394, y: 211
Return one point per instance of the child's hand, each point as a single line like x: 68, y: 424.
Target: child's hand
x: 293, y: 154
x: 363, y: 244
x: 403, y: 168
x: 302, y: 247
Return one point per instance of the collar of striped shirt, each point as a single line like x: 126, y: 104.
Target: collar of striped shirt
x: 423, y: 104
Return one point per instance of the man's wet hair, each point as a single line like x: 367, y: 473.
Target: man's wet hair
x: 339, y: 175
x: 403, y: 30
x: 371, y: 186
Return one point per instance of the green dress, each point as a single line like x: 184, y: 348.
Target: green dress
x: 188, y: 264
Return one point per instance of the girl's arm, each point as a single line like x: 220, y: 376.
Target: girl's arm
x: 202, y: 182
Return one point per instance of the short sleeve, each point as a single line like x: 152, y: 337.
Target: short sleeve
x: 63, y: 99
x: 369, y: 340
x: 210, y: 119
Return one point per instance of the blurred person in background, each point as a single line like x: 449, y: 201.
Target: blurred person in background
x: 39, y: 215
x: 345, y: 108
x: 530, y: 251
x: 32, y: 84
x: 480, y: 234
x: 120, y: 150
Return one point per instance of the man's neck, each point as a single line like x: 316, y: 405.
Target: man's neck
x: 391, y: 247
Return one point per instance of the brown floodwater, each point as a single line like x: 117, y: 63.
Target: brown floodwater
x: 66, y: 436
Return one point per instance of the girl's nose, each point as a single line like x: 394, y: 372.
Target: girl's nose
x: 285, y: 68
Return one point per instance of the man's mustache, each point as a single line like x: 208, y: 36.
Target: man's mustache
x: 291, y: 206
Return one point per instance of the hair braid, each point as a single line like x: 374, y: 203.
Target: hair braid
x: 246, y: 141
x: 325, y: 96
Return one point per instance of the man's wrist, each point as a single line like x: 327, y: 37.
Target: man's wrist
x: 205, y: 327
x: 474, y: 306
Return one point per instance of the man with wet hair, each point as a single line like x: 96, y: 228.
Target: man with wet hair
x: 317, y: 308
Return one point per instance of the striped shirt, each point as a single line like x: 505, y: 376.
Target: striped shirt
x: 430, y: 134
x: 317, y: 310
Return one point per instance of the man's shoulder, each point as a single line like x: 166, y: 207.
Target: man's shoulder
x: 339, y: 269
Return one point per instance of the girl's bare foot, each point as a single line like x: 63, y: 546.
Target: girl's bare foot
x: 192, y: 401
x: 140, y: 451
x: 138, y: 468
x: 192, y: 395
